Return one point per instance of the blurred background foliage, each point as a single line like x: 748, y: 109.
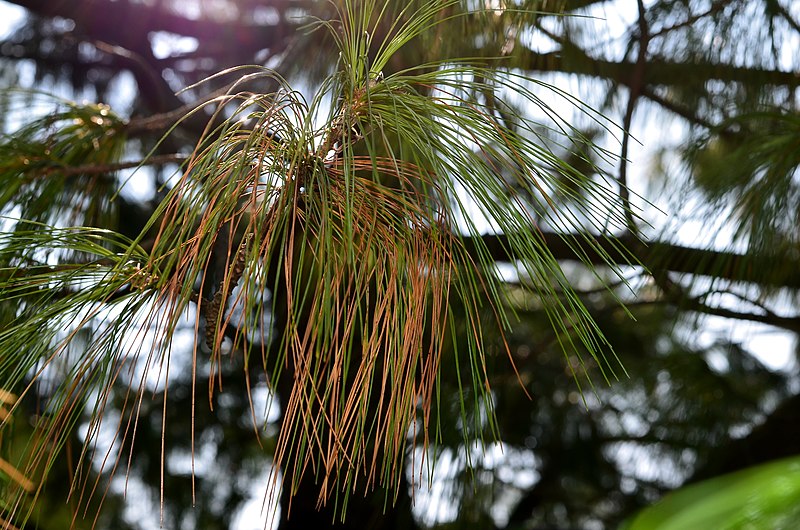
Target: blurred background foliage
x: 708, y: 94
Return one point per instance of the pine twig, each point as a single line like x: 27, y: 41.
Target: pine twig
x: 226, y: 287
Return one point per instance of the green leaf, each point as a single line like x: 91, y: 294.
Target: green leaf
x: 763, y: 497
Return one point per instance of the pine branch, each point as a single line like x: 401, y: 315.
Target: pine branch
x: 94, y: 169
x: 124, y: 21
x: 635, y: 85
x: 715, y: 7
x: 659, y: 72
x: 658, y: 255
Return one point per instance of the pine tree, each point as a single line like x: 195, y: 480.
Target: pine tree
x: 353, y: 268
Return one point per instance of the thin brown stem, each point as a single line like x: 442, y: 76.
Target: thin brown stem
x: 94, y: 169
x: 715, y: 6
x: 635, y: 90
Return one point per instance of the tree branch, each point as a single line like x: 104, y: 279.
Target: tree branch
x: 657, y: 255
x: 692, y: 304
x: 659, y: 72
x: 123, y: 22
x: 635, y: 84
x: 715, y: 7
x: 94, y: 169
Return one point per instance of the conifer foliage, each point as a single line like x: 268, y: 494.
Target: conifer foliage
x: 328, y: 243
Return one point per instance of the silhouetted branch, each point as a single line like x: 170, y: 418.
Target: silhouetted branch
x: 657, y: 255
x: 93, y: 169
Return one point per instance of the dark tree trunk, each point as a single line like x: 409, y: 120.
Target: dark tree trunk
x: 372, y: 511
